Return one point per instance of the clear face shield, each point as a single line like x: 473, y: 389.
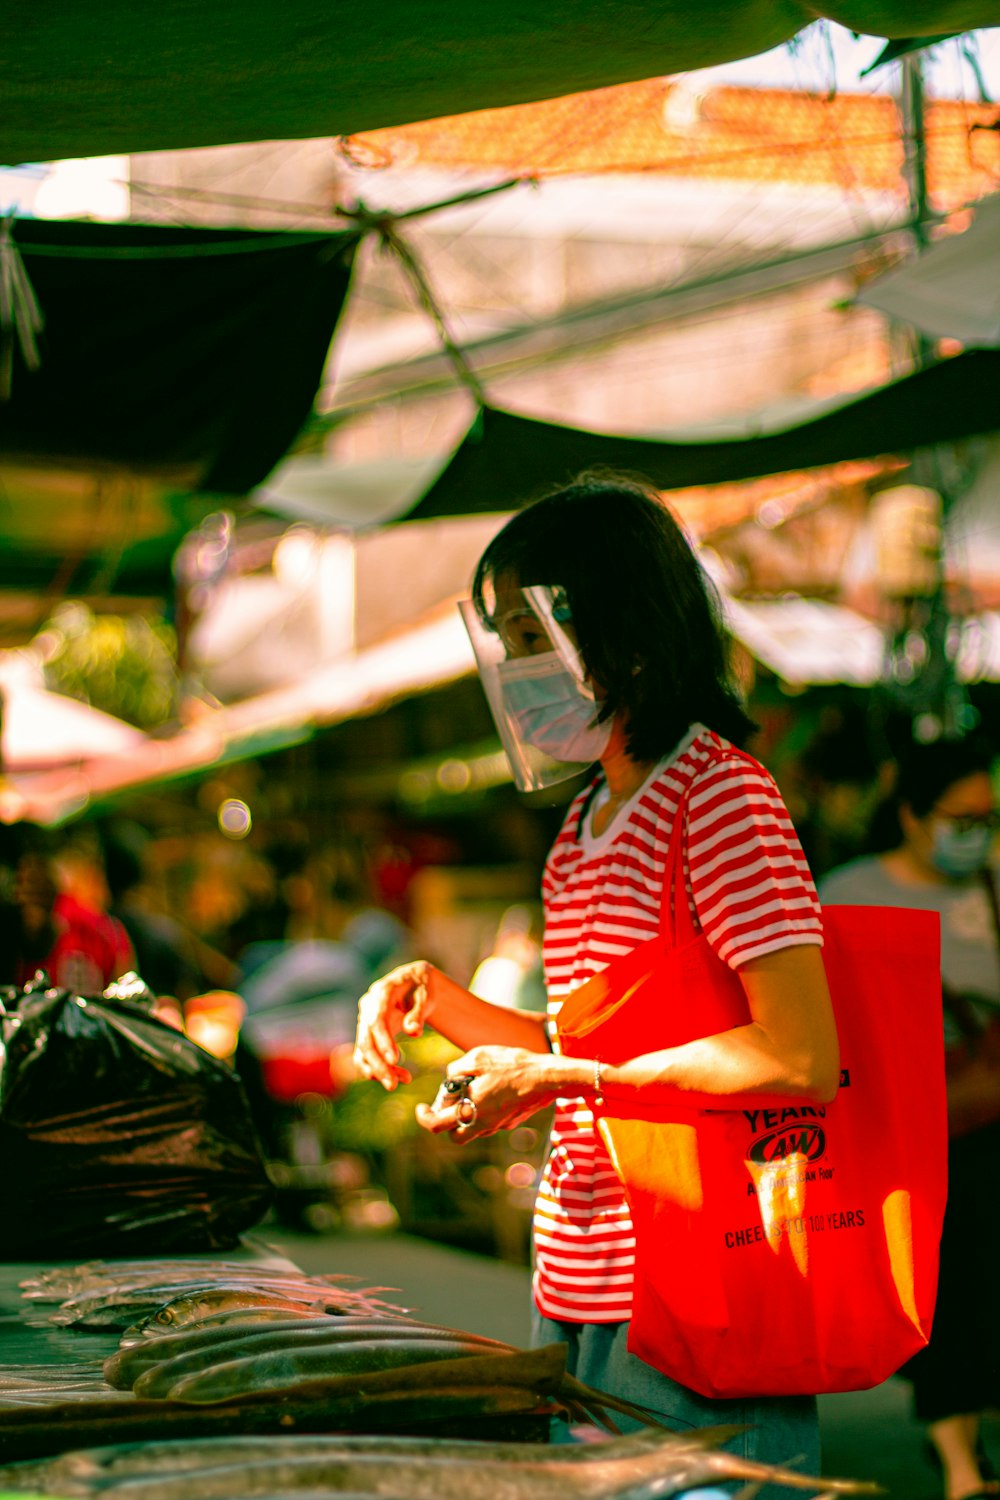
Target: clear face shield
x: 536, y: 685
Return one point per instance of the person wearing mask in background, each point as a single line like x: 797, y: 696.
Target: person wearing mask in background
x: 946, y: 818
x: 598, y: 641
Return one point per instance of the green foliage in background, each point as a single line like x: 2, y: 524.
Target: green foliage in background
x: 125, y: 665
x: 366, y: 1118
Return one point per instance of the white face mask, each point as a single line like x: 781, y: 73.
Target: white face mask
x: 960, y: 852
x: 551, y: 709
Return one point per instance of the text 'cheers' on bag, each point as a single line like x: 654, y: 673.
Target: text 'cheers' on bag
x: 781, y: 1248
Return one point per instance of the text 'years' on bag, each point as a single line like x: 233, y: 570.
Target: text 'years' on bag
x: 782, y: 1248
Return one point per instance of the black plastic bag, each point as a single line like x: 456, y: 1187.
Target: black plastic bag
x: 118, y: 1134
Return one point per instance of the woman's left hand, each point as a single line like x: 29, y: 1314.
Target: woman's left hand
x: 506, y: 1085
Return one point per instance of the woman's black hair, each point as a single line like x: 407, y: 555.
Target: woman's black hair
x: 645, y: 614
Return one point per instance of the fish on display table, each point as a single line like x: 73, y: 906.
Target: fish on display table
x: 147, y: 1329
x: 221, y: 1351
x: 649, y: 1465
x: 204, y: 1344
x: 65, y: 1283
x: 120, y: 1306
x: 404, y: 1393
x: 355, y: 1367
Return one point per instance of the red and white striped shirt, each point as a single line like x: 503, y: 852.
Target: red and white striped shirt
x: 750, y: 891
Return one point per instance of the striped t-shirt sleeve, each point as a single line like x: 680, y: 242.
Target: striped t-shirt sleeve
x: 747, y: 874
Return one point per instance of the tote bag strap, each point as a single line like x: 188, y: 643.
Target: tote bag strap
x: 677, y: 923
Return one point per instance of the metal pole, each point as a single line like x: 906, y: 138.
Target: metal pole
x: 911, y: 109
x: 932, y: 697
x: 913, y: 131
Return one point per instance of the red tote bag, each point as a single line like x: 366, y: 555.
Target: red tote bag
x: 781, y: 1248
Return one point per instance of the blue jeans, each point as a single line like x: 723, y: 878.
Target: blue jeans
x: 778, y: 1429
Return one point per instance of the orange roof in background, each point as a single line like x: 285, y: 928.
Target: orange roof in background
x: 849, y: 141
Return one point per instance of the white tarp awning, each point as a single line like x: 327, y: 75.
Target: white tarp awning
x: 808, y: 642
x: 953, y: 289
x: 811, y: 643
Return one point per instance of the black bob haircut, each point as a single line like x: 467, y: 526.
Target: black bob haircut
x: 925, y: 772
x: 646, y: 616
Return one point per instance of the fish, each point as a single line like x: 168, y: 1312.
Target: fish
x: 167, y: 1309
x: 148, y: 1286
x: 653, y: 1464
x: 191, y: 1307
x: 202, y: 1344
x: 45, y: 1385
x: 145, y: 1331
x: 230, y: 1375
x: 62, y: 1282
x: 86, y: 1293
x: 472, y: 1381
x: 49, y: 1373
x: 396, y: 1399
x: 136, y: 1279
x: 322, y: 1354
x: 136, y: 1355
x: 165, y: 1305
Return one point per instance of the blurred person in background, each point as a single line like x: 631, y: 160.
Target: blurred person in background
x: 301, y: 987
x: 945, y: 817
x: 511, y: 973
x: 164, y: 950
x: 380, y: 938
x: 179, y: 967
x: 839, y: 785
x: 55, y: 915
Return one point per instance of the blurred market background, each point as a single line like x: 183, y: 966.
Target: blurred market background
x: 261, y: 407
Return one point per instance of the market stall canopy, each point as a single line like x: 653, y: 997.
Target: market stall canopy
x: 193, y: 354
x: 506, y: 458
x: 121, y: 78
x: 312, y: 487
x: 175, y: 365
x: 953, y: 289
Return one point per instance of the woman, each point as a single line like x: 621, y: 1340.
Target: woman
x: 947, y: 817
x: 598, y: 641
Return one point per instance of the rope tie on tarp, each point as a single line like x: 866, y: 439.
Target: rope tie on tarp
x: 394, y: 241
x: 21, y: 319
x: 385, y: 226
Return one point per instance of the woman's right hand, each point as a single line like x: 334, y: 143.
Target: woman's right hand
x: 399, y: 1002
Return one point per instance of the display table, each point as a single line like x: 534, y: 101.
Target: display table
x: 53, y: 1396
x: 28, y: 1338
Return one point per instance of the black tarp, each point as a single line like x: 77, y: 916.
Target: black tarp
x: 87, y: 80
x: 192, y: 353
x: 506, y: 459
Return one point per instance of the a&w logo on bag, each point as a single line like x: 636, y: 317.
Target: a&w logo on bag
x: 790, y: 1132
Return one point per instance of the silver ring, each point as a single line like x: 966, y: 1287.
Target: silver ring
x: 466, y: 1112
